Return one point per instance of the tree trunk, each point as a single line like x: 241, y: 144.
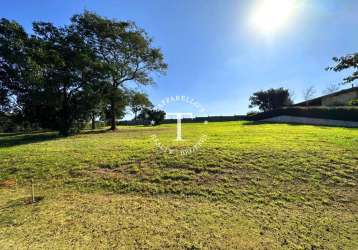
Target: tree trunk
x: 93, y: 118
x: 65, y: 122
x: 113, y: 115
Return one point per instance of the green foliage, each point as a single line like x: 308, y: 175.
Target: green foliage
x: 46, y: 72
x: 334, y: 113
x: 252, y: 113
x: 66, y: 65
x: 7, y: 124
x: 4, y: 99
x: 61, y: 76
x: 124, y: 51
x: 138, y: 101
x: 18, y: 72
x: 270, y: 99
x: 346, y: 62
x: 353, y: 102
x: 149, y: 115
x: 118, y: 100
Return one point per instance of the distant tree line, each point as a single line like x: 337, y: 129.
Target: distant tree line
x: 272, y: 99
x: 58, y: 76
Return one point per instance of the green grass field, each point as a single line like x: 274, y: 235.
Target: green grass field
x: 249, y: 186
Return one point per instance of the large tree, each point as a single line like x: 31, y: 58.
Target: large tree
x: 46, y: 74
x: 19, y: 73
x: 59, y: 76
x: 125, y: 51
x: 270, y: 99
x: 68, y: 68
x: 346, y: 62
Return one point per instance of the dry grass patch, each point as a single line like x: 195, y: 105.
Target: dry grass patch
x: 98, y: 220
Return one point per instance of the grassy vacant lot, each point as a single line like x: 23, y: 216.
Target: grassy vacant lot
x: 250, y: 186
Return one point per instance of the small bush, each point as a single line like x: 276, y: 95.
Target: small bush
x: 353, y: 102
x: 252, y: 113
x: 8, y: 125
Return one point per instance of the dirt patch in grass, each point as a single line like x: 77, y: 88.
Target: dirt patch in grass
x: 9, y: 183
x: 105, y: 171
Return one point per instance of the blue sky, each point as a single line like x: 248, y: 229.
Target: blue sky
x: 215, y: 56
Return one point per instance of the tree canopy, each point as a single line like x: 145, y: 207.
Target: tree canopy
x: 124, y: 51
x: 346, y: 62
x: 138, y: 101
x: 152, y: 116
x: 270, y: 99
x: 59, y: 76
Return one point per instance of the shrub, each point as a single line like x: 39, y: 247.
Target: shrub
x: 152, y: 115
x: 353, y: 102
x: 8, y: 125
x: 333, y: 113
x: 252, y: 113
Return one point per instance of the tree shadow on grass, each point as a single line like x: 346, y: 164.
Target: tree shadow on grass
x: 9, y: 134
x: 95, y: 131
x: 126, y: 130
x: 17, y: 139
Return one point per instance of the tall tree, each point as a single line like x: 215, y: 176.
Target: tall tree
x: 66, y: 64
x: 270, y: 99
x: 138, y: 101
x: 46, y: 74
x: 19, y: 73
x: 346, y: 62
x: 124, y: 50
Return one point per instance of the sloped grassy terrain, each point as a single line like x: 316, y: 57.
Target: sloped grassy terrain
x: 249, y: 186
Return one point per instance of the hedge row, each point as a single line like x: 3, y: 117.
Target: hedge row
x: 333, y: 113
x: 210, y: 119
x: 347, y: 113
x: 192, y: 120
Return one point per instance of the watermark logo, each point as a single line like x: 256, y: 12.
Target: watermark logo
x: 179, y: 116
